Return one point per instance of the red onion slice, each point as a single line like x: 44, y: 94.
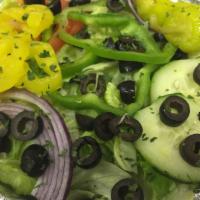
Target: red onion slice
x: 55, y: 183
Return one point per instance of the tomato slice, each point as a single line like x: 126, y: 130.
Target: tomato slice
x: 64, y: 3
x: 72, y: 28
x: 56, y: 42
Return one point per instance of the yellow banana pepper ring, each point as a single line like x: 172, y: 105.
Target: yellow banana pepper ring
x: 13, y: 52
x: 32, y: 19
x: 43, y: 73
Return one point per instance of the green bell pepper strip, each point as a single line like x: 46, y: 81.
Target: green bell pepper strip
x: 93, y: 7
x: 92, y: 101
x: 87, y: 101
x: 120, y: 25
x: 143, y: 88
x: 159, y: 58
x: 123, y: 24
x: 71, y: 69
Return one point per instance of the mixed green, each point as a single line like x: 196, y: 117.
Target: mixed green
x: 34, y: 148
x: 133, y: 117
x: 21, y: 161
x: 129, y: 97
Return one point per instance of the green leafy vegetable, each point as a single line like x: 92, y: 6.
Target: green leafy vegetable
x: 98, y: 180
x: 125, y: 155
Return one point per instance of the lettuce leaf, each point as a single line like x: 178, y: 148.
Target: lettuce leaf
x: 98, y: 180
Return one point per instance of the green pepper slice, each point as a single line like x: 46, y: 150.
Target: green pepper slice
x: 104, y: 25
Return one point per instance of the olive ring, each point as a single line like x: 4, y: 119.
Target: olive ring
x: 35, y: 160
x: 26, y: 125
x: 174, y: 111
x: 101, y: 126
x: 190, y: 148
x: 93, y: 157
x: 196, y: 74
x: 93, y: 79
x: 125, y: 187
x: 133, y: 129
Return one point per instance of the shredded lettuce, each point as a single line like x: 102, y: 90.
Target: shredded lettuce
x: 11, y: 174
x: 125, y: 155
x: 98, y: 181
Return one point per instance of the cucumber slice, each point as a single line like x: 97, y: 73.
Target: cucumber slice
x: 160, y: 143
x: 176, y: 77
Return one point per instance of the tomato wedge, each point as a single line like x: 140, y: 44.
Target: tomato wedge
x: 72, y: 28
x: 64, y: 3
x: 56, y: 42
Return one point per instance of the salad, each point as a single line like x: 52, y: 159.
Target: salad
x: 99, y: 100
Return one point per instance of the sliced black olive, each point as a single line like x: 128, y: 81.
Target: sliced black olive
x: 190, y: 150
x: 114, y: 5
x: 4, y: 124
x: 78, y: 2
x: 83, y: 34
x: 127, y: 43
x: 55, y: 6
x: 93, y: 83
x: 109, y: 43
x: 127, y: 91
x: 174, y: 111
x: 75, y: 79
x: 28, y: 197
x: 101, y: 126
x: 34, y: 2
x: 129, y: 66
x: 159, y: 37
x: 35, y: 160
x: 86, y: 152
x: 128, y: 128
x: 26, y: 125
x: 179, y: 55
x: 84, y: 122
x: 127, y: 189
x: 196, y: 74
x: 5, y: 144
